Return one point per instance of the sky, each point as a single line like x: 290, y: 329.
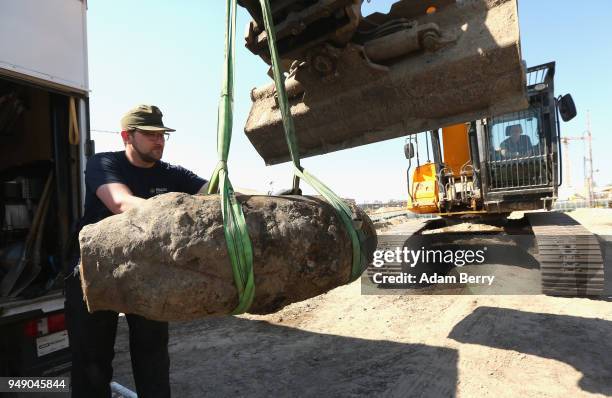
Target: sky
x: 170, y: 54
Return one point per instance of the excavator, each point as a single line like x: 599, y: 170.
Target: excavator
x: 478, y: 173
x: 447, y: 70
x: 495, y: 165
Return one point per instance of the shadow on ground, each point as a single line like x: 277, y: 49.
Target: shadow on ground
x: 239, y: 357
x: 583, y: 343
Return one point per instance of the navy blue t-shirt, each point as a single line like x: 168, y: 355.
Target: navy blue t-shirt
x: 108, y: 167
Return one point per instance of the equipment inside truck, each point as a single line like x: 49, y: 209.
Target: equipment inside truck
x: 38, y: 199
x: 39, y: 205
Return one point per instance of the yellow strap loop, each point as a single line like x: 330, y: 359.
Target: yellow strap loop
x: 73, y: 125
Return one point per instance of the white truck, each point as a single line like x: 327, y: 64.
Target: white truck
x: 44, y: 144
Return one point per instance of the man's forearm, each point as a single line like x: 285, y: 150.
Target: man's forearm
x: 128, y: 202
x: 117, y: 197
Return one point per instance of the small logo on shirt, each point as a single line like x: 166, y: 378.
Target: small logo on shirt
x: 157, y: 191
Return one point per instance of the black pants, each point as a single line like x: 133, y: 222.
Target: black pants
x: 92, y: 341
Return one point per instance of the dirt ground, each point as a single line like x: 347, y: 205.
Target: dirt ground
x: 344, y: 343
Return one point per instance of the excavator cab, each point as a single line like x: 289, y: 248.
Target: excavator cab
x: 501, y: 163
x: 353, y: 80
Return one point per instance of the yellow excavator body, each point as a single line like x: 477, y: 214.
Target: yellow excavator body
x: 456, y: 147
x: 424, y: 193
x: 423, y: 197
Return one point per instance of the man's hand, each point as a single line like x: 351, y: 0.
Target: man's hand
x: 117, y: 197
x: 204, y: 189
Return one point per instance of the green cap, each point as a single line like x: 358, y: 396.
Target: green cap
x: 144, y: 117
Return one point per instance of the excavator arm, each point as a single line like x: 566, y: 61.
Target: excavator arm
x: 355, y: 80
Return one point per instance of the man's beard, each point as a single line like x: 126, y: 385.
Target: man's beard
x: 147, y: 157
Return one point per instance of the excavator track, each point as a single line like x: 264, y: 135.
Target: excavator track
x: 570, y: 257
x: 392, y: 240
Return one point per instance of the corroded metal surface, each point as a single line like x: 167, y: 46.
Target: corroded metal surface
x: 168, y: 260
x: 460, y: 63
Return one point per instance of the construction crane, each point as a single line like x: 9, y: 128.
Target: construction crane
x: 567, y: 159
x: 587, y: 160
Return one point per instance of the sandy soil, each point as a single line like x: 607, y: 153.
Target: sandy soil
x: 347, y: 344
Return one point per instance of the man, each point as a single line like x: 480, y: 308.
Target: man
x: 116, y: 182
x: 516, y: 144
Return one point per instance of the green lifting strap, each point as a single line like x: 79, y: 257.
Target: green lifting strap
x: 345, y: 213
x: 237, y: 238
